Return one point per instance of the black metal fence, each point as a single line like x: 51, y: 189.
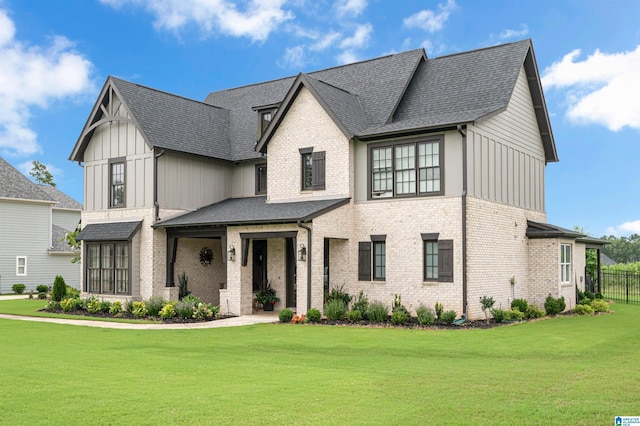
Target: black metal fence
x: 621, y: 286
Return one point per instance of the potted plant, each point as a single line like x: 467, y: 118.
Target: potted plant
x: 267, y: 296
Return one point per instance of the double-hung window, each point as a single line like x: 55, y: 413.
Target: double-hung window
x: 437, y: 258
x: 372, y: 257
x: 21, y: 266
x: 261, y: 179
x: 312, y: 169
x: 117, y: 183
x: 565, y: 263
x: 403, y: 169
x: 108, y: 269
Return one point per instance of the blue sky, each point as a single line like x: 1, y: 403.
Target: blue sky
x: 56, y: 55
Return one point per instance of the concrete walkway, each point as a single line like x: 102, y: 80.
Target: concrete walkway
x: 227, y: 322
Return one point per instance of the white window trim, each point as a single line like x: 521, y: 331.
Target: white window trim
x: 18, y: 274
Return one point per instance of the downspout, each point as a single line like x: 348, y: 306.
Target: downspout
x: 462, y: 129
x: 156, y: 205
x: 308, y: 263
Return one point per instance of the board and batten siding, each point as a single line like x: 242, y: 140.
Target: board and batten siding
x: 505, y: 154
x: 118, y: 140
x: 187, y: 182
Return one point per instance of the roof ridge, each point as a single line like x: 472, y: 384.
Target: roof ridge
x: 330, y: 85
x: 480, y: 49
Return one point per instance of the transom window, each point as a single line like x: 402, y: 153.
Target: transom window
x: 565, y: 263
x: 117, y: 183
x: 108, y: 268
x: 406, y: 169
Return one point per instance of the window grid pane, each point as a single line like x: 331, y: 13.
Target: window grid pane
x: 429, y: 164
x: 431, y: 260
x: 307, y: 171
x: 405, y: 169
x: 106, y: 272
x: 379, y: 260
x: 122, y: 268
x: 381, y: 169
x: 117, y: 184
x: 565, y: 263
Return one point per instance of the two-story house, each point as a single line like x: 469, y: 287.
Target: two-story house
x: 34, y: 221
x: 397, y: 175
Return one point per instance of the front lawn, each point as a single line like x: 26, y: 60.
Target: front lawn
x: 567, y: 370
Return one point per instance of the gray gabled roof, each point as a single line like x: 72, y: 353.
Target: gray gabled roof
x: 14, y: 184
x: 58, y: 243
x: 64, y: 201
x: 237, y: 211
x: 109, y: 231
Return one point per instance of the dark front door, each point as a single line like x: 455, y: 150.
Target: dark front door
x: 259, y: 264
x: 291, y: 273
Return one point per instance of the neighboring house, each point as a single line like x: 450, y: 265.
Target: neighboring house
x: 34, y: 222
x: 606, y: 260
x: 398, y: 175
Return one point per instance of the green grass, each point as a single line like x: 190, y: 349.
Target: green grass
x: 567, y: 370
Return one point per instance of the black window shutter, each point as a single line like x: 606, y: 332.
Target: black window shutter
x: 364, y: 261
x: 318, y: 167
x: 445, y: 261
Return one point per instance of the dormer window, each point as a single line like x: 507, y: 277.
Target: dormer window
x: 266, y: 114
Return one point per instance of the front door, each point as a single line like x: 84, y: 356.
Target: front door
x: 259, y: 264
x: 291, y: 274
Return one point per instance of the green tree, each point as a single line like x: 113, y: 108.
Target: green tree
x: 590, y: 254
x: 70, y: 237
x: 622, y: 249
x: 41, y: 174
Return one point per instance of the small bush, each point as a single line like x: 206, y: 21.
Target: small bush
x: 193, y: 300
x: 154, y: 305
x: 128, y: 306
x: 361, y: 304
x: 589, y: 295
x: 93, y: 305
x: 583, y: 310
x: 354, y: 316
x: 584, y: 301
x: 500, y: 315
x: 168, y: 310
x: 184, y: 310
x: 59, y: 288
x: 42, y: 288
x: 338, y: 293
x: 516, y: 314
x: 52, y: 304
x: 285, y: 315
x: 519, y: 304
x: 139, y: 309
x: 533, y: 312
x: 554, y: 306
x: 203, y: 311
x: 399, y: 317
x: 599, y: 296
x: 398, y: 306
x: 449, y: 317
x: 42, y: 295
x: 313, y: 315
x: 18, y: 288
x: 70, y: 304
x: 105, y: 306
x: 599, y: 305
x: 335, y: 309
x: 116, y: 308
x: 377, y: 312
x: 71, y: 292
x: 439, y: 310
x: 425, y: 315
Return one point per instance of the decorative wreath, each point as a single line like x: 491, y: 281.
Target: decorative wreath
x: 206, y: 256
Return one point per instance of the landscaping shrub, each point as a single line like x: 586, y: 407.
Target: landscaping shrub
x: 500, y: 315
x: 203, y: 311
x: 285, y: 315
x: 439, y: 310
x: 338, y: 293
x: 168, y: 310
x: 70, y: 304
x: 93, y: 305
x: 533, y: 312
x: 52, y: 304
x: 184, y: 310
x: 42, y: 295
x: 139, y: 309
x: 520, y: 304
x: 335, y: 309
x: 183, y: 282
x: 425, y: 315
x: 554, y: 306
x: 599, y: 305
x: 42, y: 288
x: 449, y: 317
x: 193, y: 300
x: 583, y: 310
x: 154, y: 305
x: 313, y: 315
x: 354, y: 315
x: 71, y: 292
x: 399, y: 317
x: 377, y: 312
x: 398, y: 306
x: 105, y: 306
x: 59, y: 289
x: 584, y: 301
x: 128, y: 305
x: 516, y: 314
x: 589, y: 295
x: 116, y: 308
x: 18, y: 288
x: 361, y: 304
x: 486, y: 303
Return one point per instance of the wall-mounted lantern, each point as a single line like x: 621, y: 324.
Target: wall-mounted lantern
x: 302, y: 253
x: 231, y: 254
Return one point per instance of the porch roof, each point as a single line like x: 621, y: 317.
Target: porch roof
x: 109, y: 231
x: 253, y: 210
x: 546, y: 230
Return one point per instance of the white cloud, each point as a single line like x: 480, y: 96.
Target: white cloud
x: 294, y: 57
x: 627, y: 228
x: 430, y: 20
x: 347, y: 57
x: 351, y: 8
x: 602, y: 89
x: 359, y: 39
x: 511, y: 33
x: 34, y: 76
x: 258, y: 19
x: 326, y: 41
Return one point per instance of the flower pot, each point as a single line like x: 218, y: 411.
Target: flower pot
x: 268, y: 307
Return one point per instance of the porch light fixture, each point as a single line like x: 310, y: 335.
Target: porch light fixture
x: 231, y: 254
x: 302, y: 253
